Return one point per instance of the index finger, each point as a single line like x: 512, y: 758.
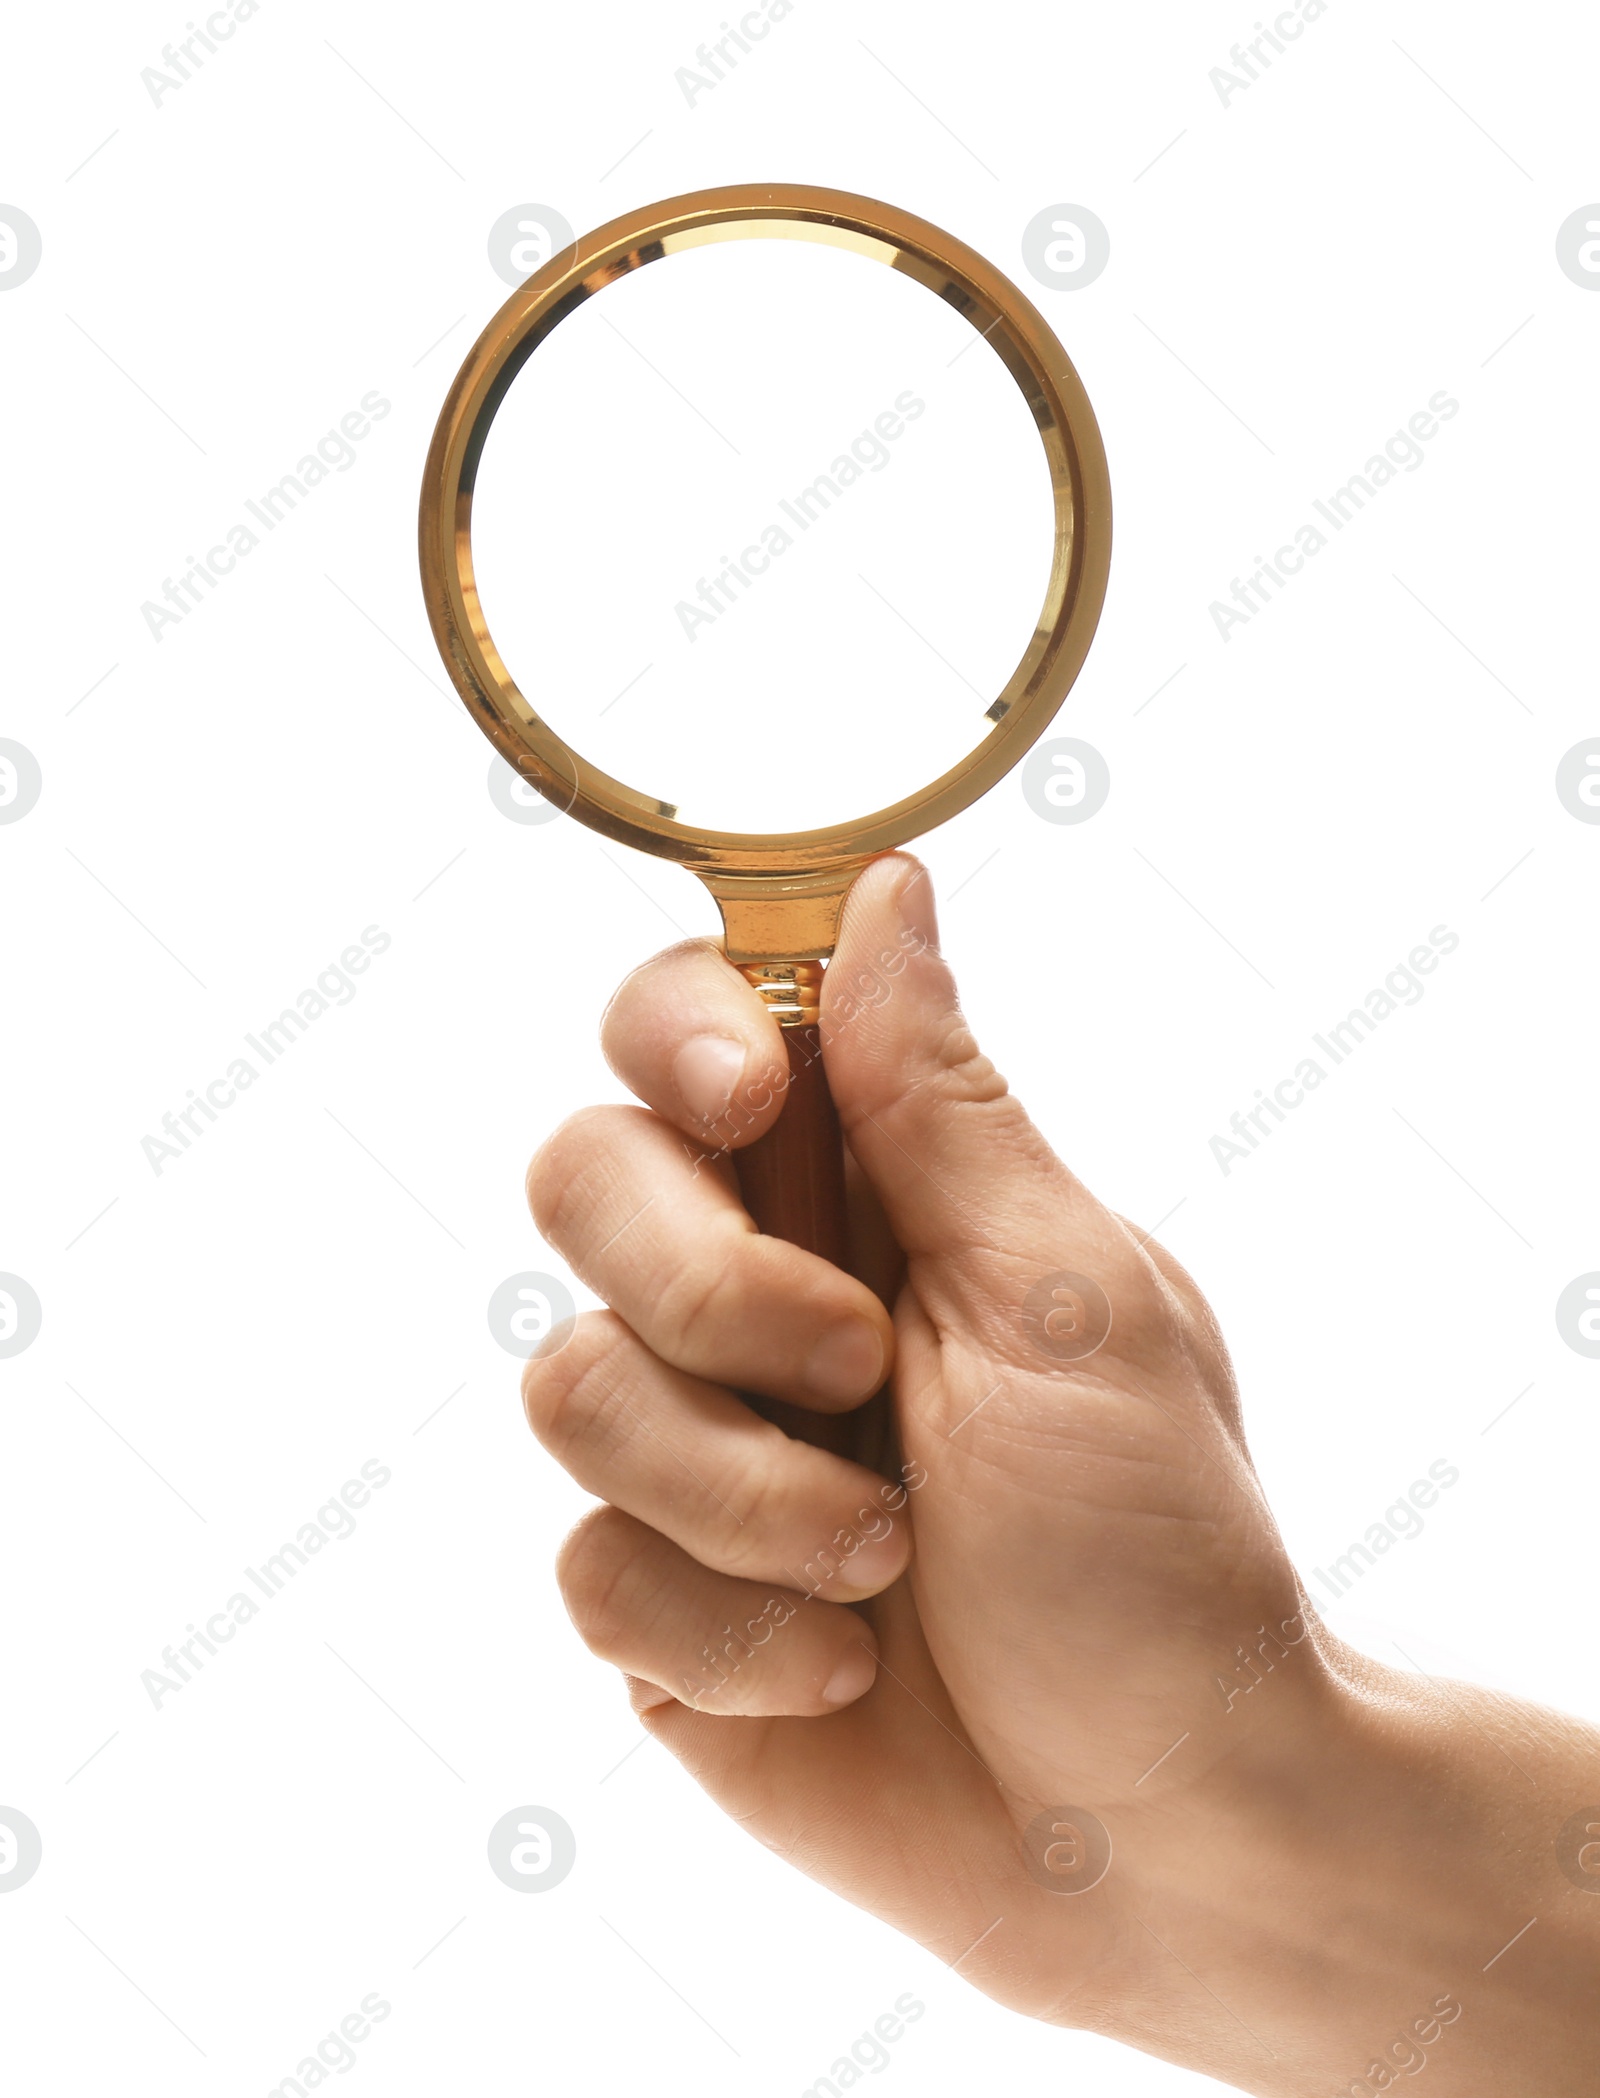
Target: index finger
x: 689, y: 1037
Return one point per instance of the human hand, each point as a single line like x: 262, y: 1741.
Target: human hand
x: 1065, y: 1617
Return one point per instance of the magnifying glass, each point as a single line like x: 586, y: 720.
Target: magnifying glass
x: 748, y: 750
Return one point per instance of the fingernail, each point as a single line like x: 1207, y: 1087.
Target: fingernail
x: 914, y: 901
x: 705, y: 1071
x: 847, y: 1362
x: 853, y: 1675
x: 872, y: 1566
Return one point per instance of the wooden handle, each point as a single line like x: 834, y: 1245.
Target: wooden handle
x: 792, y: 1179
x: 792, y: 1182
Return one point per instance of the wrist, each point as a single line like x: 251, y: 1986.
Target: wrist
x: 1355, y: 1884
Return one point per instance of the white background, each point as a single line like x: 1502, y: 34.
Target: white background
x: 223, y: 812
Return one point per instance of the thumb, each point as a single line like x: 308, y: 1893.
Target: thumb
x: 961, y: 1171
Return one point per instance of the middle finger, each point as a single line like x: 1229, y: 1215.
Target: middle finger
x: 665, y: 1241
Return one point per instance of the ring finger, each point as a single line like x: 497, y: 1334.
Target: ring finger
x: 687, y: 1458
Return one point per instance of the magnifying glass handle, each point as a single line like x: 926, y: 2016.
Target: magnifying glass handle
x: 792, y: 1179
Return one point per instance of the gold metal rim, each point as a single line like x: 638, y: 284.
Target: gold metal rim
x: 815, y: 862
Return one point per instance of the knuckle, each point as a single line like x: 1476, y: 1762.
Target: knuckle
x: 551, y: 1172
x: 593, y: 1570
x: 642, y: 990
x: 761, y: 1521
x: 695, y: 1303
x: 963, y: 1072
x: 561, y: 1394
x: 559, y: 1171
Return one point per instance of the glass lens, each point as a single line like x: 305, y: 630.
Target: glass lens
x: 762, y: 530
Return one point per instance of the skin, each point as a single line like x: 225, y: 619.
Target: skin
x: 1051, y: 1561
